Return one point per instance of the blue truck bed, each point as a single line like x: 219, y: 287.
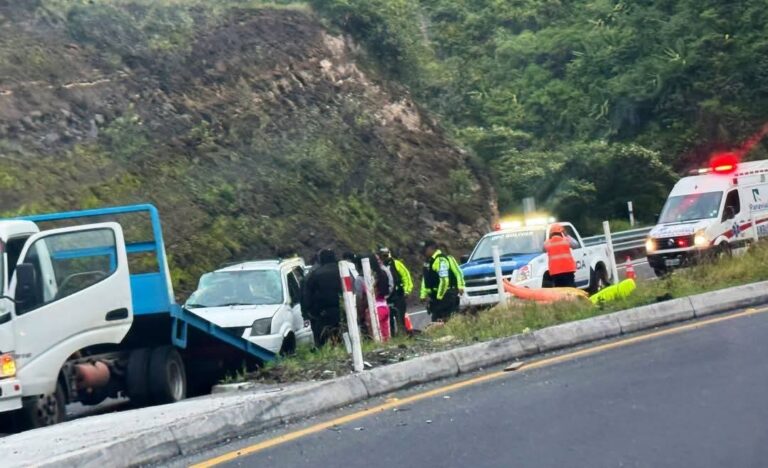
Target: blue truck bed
x: 152, y: 292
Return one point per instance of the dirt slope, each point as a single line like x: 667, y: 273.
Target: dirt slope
x: 253, y: 130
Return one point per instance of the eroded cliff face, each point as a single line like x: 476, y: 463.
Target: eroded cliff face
x: 254, y: 131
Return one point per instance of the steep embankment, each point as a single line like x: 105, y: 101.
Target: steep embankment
x: 252, y: 129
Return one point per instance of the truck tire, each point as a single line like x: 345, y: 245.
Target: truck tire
x: 137, y: 377
x: 44, y: 410
x: 167, y: 377
x: 598, y: 279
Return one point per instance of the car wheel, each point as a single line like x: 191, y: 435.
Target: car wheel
x: 288, y: 347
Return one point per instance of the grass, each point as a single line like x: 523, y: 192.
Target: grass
x: 503, y: 321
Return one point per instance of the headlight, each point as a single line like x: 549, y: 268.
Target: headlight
x: 7, y: 366
x: 524, y: 273
x: 700, y: 240
x: 261, y: 327
x: 650, y: 245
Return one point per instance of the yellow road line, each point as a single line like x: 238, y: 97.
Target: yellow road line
x: 394, y: 403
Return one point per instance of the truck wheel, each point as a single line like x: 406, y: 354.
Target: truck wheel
x: 660, y: 272
x: 44, y: 410
x: 167, y: 378
x: 137, y: 377
x: 598, y: 279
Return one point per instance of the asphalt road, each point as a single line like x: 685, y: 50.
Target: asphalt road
x: 693, y: 398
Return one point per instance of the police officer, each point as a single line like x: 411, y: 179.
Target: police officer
x: 403, y: 285
x: 562, y: 265
x: 439, y: 283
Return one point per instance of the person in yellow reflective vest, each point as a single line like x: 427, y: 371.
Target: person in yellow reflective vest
x: 454, y: 268
x: 403, y: 286
x: 439, y: 283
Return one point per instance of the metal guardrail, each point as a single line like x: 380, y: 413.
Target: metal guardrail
x: 623, y: 241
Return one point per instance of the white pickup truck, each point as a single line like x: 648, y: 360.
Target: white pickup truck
x: 524, y: 263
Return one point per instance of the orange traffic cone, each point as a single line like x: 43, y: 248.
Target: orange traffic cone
x: 630, y: 270
x: 408, y: 324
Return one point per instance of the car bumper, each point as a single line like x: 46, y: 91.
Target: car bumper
x: 10, y: 395
x: 271, y: 342
x: 489, y: 296
x: 674, y: 259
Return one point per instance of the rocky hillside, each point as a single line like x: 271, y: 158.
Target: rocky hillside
x: 253, y: 129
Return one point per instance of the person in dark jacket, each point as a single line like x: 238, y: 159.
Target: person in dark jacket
x: 322, y: 296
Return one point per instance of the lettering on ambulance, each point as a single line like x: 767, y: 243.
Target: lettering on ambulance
x: 580, y: 265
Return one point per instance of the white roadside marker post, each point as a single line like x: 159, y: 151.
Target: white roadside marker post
x: 372, y: 312
x: 497, y: 270
x: 611, y: 255
x: 351, y: 309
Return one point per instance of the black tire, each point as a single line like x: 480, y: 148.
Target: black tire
x: 288, y: 348
x: 546, y: 281
x: 724, y: 251
x: 44, y: 410
x: 598, y: 279
x: 137, y: 377
x: 660, y: 272
x: 167, y: 376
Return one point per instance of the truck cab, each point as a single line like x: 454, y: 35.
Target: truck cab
x: 78, y: 324
x: 524, y: 263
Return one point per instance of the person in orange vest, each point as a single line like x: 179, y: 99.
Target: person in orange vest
x: 562, y: 265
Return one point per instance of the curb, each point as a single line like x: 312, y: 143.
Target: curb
x: 156, y: 434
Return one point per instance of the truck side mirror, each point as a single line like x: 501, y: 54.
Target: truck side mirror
x: 464, y: 259
x: 25, y: 285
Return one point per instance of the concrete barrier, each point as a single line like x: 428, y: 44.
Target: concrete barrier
x: 487, y: 354
x: 573, y: 333
x: 423, y: 369
x: 654, y: 315
x: 739, y: 297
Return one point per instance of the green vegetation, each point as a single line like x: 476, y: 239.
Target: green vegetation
x: 503, y: 321
x: 221, y: 115
x: 557, y: 96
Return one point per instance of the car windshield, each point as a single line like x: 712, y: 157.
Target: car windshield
x: 510, y: 243
x: 692, y: 207
x: 244, y: 287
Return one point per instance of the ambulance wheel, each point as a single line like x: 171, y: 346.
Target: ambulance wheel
x: 167, y: 376
x: 724, y: 251
x: 43, y: 410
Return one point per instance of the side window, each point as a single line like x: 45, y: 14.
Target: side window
x: 571, y: 235
x: 732, y: 205
x: 67, y: 263
x: 293, y: 289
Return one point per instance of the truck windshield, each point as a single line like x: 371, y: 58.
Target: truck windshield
x: 510, y: 243
x: 692, y: 207
x: 246, y: 287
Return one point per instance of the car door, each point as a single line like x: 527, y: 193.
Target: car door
x: 302, y: 327
x: 580, y: 254
x: 732, y: 217
x: 76, y: 293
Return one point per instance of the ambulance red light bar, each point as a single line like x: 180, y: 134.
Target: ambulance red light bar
x: 721, y: 163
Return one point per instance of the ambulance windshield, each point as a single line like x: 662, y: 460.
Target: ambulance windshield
x: 692, y: 207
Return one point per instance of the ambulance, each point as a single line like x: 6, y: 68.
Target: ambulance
x: 713, y: 212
